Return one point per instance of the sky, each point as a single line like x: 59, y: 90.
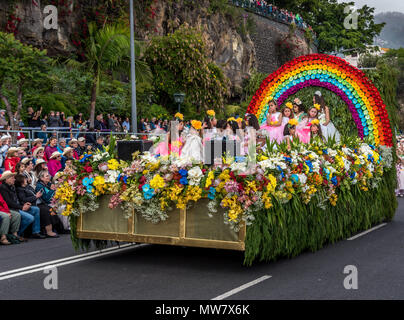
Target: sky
x: 380, y: 5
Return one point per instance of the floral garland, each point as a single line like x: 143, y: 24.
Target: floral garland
x: 153, y: 186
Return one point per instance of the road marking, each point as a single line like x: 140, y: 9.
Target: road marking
x: 367, y: 231
x: 241, y: 288
x: 65, y: 261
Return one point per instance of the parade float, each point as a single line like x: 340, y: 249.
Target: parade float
x: 285, y: 202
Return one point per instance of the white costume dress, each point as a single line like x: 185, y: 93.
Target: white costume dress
x: 329, y: 130
x: 192, y: 148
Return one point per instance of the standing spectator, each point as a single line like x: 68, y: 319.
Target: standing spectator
x: 3, y: 121
x: 42, y: 134
x: 29, y: 214
x: 53, y: 120
x: 51, y: 148
x: 98, y: 123
x: 34, y: 120
x: 90, y: 136
x: 110, y: 122
x: 5, y: 143
x: 10, y: 223
x: 12, y: 159
x: 126, y: 125
x: 54, y: 163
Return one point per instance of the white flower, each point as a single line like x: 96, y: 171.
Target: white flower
x: 238, y: 166
x: 195, y: 176
x: 182, y: 162
x: 112, y: 176
x: 332, y: 153
x: 302, y: 178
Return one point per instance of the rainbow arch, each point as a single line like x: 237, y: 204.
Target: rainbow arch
x: 332, y: 73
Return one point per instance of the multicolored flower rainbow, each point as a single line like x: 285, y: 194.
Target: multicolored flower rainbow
x: 334, y: 74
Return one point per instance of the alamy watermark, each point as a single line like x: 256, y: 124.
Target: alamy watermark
x: 351, y: 20
x: 351, y: 280
x: 51, y: 280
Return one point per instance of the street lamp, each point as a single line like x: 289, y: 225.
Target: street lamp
x: 132, y: 69
x: 179, y: 98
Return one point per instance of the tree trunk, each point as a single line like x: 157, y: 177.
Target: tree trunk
x: 93, y: 100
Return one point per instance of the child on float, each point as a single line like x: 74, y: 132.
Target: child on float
x: 315, y: 131
x: 289, y: 132
x: 327, y: 127
x: 303, y: 128
x: 287, y: 114
x: 298, y: 110
x: 252, y: 125
x: 173, y: 140
x: 273, y: 124
x: 193, y: 148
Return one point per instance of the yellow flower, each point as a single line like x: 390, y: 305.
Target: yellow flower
x: 211, y: 113
x: 315, y: 121
x: 209, y: 179
x: 317, y: 106
x: 179, y: 116
x: 113, y: 164
x: 289, y: 105
x: 157, y: 182
x: 293, y: 122
x: 196, y: 124
x: 231, y: 119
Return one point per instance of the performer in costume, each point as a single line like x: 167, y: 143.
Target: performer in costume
x: 273, y: 125
x: 173, y: 141
x: 289, y: 132
x: 298, y: 110
x: 315, y: 131
x: 327, y: 127
x: 287, y: 114
x: 193, y: 148
x: 303, y: 128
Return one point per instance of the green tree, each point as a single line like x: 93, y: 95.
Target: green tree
x: 179, y: 63
x: 327, y: 19
x: 22, y: 68
x: 108, y: 50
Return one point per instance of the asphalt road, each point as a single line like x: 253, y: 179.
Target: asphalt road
x: 179, y: 273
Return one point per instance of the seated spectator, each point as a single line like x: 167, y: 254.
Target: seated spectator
x: 51, y: 147
x: 9, y: 225
x: 90, y: 136
x: 29, y: 167
x: 21, y: 153
x: 12, y: 159
x: 62, y: 145
x: 20, y: 167
x: 5, y: 143
x: 23, y: 143
x: 26, y: 194
x: 81, y: 149
x: 43, y: 134
x: 39, y: 153
x: 29, y: 214
x: 54, y: 163
x: 73, y: 143
x: 39, y: 166
x: 99, y: 145
x: 37, y: 143
x: 67, y: 156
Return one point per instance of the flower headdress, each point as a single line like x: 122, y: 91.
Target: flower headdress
x: 289, y: 105
x: 231, y: 119
x: 317, y: 106
x: 179, y: 116
x: 315, y: 121
x: 196, y: 124
x: 293, y: 122
x: 211, y: 114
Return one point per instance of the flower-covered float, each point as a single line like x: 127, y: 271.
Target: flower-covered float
x: 279, y: 203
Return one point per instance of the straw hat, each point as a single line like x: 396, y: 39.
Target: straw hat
x: 5, y: 137
x: 55, y: 154
x: 12, y: 151
x: 71, y: 141
x: 35, y: 153
x: 67, y: 150
x: 36, y: 141
x: 26, y: 160
x: 21, y: 141
x: 39, y: 161
x: 7, y: 174
x: 81, y: 139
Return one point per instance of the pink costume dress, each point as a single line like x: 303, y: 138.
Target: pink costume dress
x: 303, y: 130
x: 165, y: 149
x: 274, y: 133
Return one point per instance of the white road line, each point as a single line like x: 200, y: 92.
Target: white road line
x: 53, y: 264
x: 241, y: 288
x: 367, y: 231
x: 65, y: 259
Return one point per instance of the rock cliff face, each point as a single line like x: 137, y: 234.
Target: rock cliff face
x: 237, y: 53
